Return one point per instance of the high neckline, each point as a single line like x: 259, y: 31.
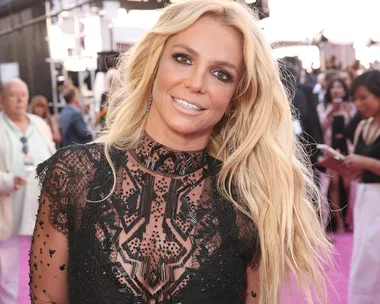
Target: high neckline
x: 157, y: 157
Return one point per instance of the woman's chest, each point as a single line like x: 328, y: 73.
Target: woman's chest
x: 156, y: 231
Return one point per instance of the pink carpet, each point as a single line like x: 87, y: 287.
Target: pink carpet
x: 338, y: 292
x: 339, y: 276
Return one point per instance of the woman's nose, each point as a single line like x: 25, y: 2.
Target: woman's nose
x: 196, y: 81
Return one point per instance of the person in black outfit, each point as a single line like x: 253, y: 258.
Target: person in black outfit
x: 305, y: 104
x: 195, y: 194
x: 365, y: 164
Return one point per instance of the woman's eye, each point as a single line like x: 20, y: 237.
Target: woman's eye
x: 182, y: 58
x: 222, y: 75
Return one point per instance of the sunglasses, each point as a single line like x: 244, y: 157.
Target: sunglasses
x: 24, y: 142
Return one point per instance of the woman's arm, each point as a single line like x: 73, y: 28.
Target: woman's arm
x: 49, y: 255
x: 373, y: 165
x: 252, y: 293
x: 48, y: 260
x: 358, y: 162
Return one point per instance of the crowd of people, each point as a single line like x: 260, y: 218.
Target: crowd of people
x: 206, y: 184
x: 346, y: 117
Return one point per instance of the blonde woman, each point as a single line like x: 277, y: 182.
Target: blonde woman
x: 194, y: 193
x: 39, y: 106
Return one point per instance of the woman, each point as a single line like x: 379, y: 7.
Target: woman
x: 335, y: 113
x: 39, y: 106
x: 365, y: 163
x: 202, y: 199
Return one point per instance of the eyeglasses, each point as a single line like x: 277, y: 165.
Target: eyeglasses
x: 24, y: 142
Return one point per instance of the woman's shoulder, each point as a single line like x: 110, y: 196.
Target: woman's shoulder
x: 77, y: 152
x: 72, y: 159
x: 362, y: 125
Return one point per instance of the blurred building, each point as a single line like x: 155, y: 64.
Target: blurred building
x: 56, y: 43
x: 23, y: 48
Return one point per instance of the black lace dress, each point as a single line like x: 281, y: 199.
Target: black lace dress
x: 165, y: 235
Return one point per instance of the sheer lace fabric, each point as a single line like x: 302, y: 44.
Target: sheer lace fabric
x: 164, y: 236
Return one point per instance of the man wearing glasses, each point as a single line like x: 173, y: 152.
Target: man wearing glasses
x: 25, y: 141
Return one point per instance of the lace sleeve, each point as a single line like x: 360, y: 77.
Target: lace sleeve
x: 49, y: 251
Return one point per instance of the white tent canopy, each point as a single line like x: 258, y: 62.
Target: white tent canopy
x: 342, y: 21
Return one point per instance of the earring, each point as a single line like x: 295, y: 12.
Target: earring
x: 230, y: 146
x: 148, y: 105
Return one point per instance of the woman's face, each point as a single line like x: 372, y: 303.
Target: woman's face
x: 367, y: 103
x: 39, y: 110
x: 198, y: 74
x: 337, y: 90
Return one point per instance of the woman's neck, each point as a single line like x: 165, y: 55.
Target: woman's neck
x: 376, y: 118
x: 174, y: 139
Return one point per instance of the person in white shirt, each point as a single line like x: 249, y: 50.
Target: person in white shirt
x: 26, y: 140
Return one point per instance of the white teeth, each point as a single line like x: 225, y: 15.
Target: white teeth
x: 187, y: 105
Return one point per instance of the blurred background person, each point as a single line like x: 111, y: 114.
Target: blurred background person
x: 307, y: 126
x: 71, y: 122
x: 335, y: 113
x: 332, y: 63
x: 348, y: 76
x: 365, y: 163
x: 319, y: 89
x: 26, y: 140
x: 323, y: 80
x: 39, y: 106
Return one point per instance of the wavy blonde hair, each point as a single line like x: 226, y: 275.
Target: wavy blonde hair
x: 275, y: 188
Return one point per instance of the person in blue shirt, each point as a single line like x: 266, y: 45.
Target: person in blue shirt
x: 71, y: 123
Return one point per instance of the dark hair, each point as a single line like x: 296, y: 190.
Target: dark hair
x: 288, y: 78
x: 68, y: 95
x: 328, y: 98
x: 370, y: 80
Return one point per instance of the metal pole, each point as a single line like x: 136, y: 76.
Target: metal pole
x: 110, y: 27
x: 51, y: 61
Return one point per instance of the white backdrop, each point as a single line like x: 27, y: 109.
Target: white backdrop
x: 343, y: 21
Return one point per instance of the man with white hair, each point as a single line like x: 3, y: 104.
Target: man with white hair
x: 26, y: 140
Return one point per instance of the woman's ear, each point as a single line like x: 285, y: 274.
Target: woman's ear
x: 229, y: 109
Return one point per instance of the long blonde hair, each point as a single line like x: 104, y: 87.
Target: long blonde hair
x: 275, y: 188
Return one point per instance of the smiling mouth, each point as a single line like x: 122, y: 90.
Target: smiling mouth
x: 187, y: 105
